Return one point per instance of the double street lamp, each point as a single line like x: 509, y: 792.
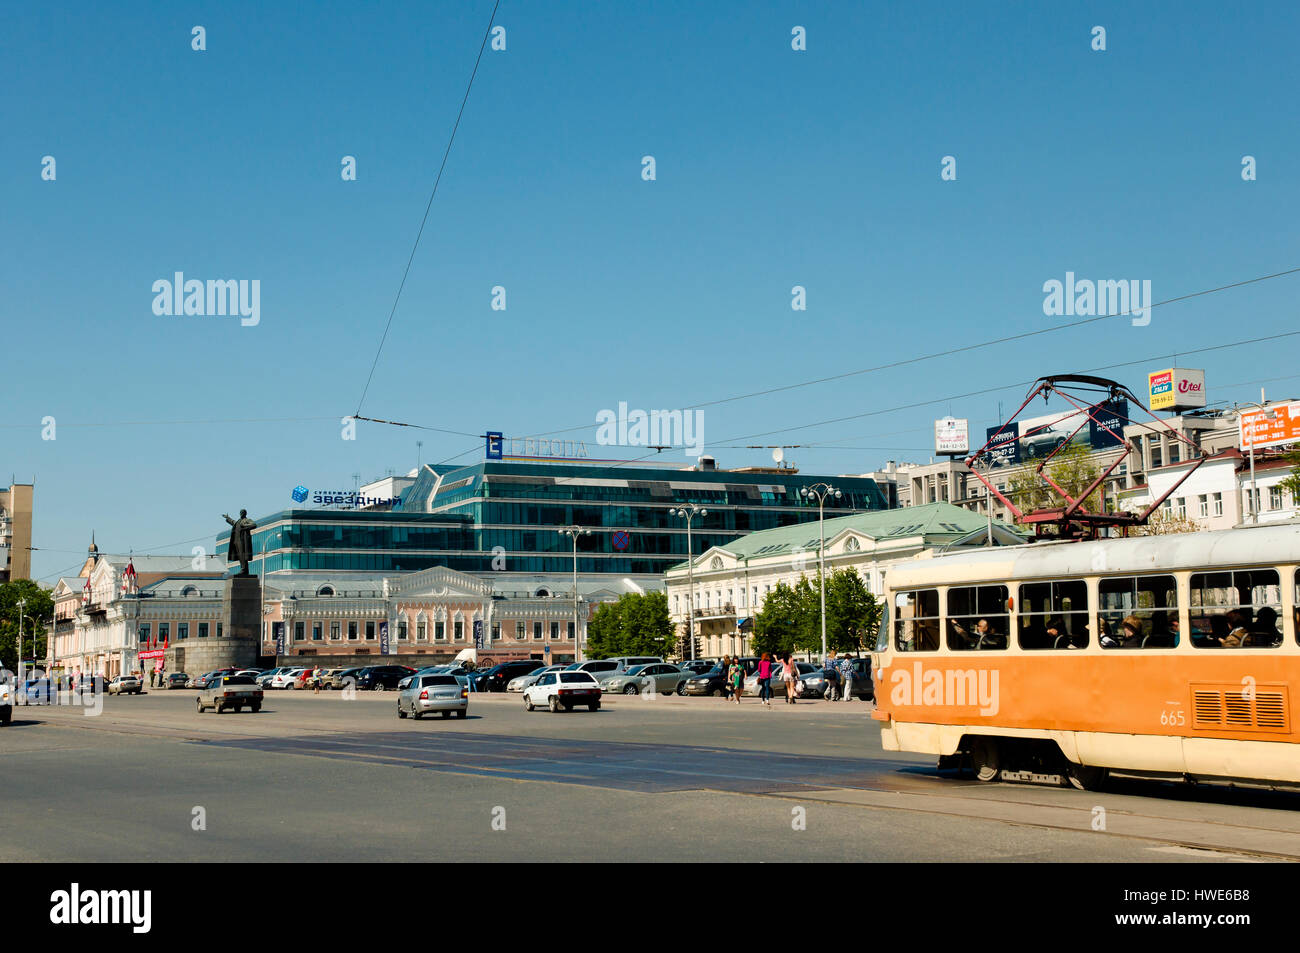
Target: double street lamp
x: 821, y: 492
x: 689, y: 513
x: 573, y: 532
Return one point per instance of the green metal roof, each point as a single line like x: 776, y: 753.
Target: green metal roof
x: 936, y: 523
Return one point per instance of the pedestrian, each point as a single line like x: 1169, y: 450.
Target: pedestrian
x: 846, y: 674
x: 315, y: 677
x: 737, y: 679
x: 832, y: 677
x: 725, y: 665
x: 153, y: 675
x: 765, y: 679
x: 789, y: 677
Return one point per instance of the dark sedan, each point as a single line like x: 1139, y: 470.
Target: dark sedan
x: 498, y: 677
x: 382, y: 677
x: 710, y: 683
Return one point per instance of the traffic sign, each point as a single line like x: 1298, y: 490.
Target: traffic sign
x: 621, y: 539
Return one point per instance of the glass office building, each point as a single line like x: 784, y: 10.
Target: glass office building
x: 502, y: 516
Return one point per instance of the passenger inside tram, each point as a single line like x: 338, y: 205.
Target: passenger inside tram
x: 983, y: 636
x: 1265, y: 631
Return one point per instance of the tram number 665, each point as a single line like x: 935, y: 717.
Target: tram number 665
x: 1173, y: 717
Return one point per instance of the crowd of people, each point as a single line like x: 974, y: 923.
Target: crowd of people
x: 837, y: 670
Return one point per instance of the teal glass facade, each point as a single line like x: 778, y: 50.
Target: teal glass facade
x: 467, y: 518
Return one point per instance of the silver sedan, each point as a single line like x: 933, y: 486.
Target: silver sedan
x: 429, y: 693
x: 520, y: 682
x: 661, y: 676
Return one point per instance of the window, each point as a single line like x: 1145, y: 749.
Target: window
x: 1218, y: 504
x: 370, y: 631
x: 334, y: 630
x: 1203, y: 505
x: 1155, y: 452
x: 164, y: 631
x: 1148, y: 603
x: 1275, y: 498
x: 458, y: 627
x: 203, y: 630
x: 977, y: 618
x: 316, y: 631
x: 555, y: 630
x: 182, y: 630
x: 1054, y: 615
x: 401, y: 629
x: 300, y: 631
x: 537, y: 630
x: 352, y: 631
x: 1173, y: 453
x: 325, y: 591
x: 521, y: 631
x: 218, y: 630
x: 496, y: 631
x: 145, y: 631
x: 570, y: 631
x: 1237, y: 609
x: 916, y: 626
x: 1180, y: 507
x: 754, y: 604
x: 439, y: 631
x: 421, y: 630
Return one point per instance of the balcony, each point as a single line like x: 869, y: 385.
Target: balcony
x: 727, y: 611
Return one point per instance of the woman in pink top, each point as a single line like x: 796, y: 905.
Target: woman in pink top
x: 789, y: 674
x: 765, y: 680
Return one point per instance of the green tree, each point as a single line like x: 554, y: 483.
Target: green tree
x: 783, y: 621
x: 1292, y: 483
x: 852, y: 613
x: 1072, y: 469
x: 38, y: 607
x: 634, y: 625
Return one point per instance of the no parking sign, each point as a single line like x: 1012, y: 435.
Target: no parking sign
x: 621, y: 539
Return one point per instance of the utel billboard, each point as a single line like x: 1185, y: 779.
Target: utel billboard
x: 1036, y: 437
x: 1177, y: 389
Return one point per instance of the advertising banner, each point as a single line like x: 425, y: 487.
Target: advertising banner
x: 383, y: 637
x: 1176, y: 389
x: 1270, y: 427
x: 1114, y: 415
x: 952, y: 436
x: 1004, y: 450
x: 277, y: 628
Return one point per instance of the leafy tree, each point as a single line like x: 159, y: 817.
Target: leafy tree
x: 784, y: 620
x: 1072, y: 469
x: 1292, y: 483
x: 634, y: 625
x: 852, y: 613
x: 1166, y: 523
x: 38, y: 605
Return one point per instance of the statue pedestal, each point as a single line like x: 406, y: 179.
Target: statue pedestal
x: 241, y: 611
x: 241, y: 633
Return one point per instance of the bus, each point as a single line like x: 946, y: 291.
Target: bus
x: 1171, y: 657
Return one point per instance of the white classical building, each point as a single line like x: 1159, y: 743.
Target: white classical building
x: 1218, y: 494
x: 732, y: 582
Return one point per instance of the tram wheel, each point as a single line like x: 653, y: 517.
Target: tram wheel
x: 1085, y: 777
x: 985, y: 758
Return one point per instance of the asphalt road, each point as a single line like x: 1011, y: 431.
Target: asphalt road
x: 322, y: 777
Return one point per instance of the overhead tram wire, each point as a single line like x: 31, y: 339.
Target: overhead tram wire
x: 446, y: 153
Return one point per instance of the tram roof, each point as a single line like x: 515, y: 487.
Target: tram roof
x: 1240, y: 546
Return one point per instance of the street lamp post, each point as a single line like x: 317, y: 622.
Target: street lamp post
x: 573, y: 532
x: 22, y: 604
x: 689, y: 513
x: 821, y: 492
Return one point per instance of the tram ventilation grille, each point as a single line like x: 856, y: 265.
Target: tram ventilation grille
x: 1228, y: 707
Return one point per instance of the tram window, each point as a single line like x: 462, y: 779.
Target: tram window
x: 916, y: 621
x: 977, y: 618
x: 1138, y: 612
x: 1236, y: 609
x: 1054, y: 615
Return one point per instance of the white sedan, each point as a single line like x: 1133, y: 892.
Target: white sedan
x: 560, y: 691
x: 519, y: 683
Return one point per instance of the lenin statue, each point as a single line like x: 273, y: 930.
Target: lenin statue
x: 241, y: 540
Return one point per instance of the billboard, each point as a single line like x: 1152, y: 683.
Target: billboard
x: 952, y: 435
x: 1271, y: 427
x: 1035, y: 437
x: 1176, y: 389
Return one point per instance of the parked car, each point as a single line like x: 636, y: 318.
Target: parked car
x: 778, y: 684
x: 429, y: 693
x: 292, y: 678
x: 664, y: 677
x: 37, y: 691
x: 176, y: 680
x: 264, y: 679
x: 235, y: 692
x: 499, y: 676
x: 813, y: 685
x: 381, y: 677
x: 205, y: 680
x: 699, y: 666
x: 343, y: 678
x: 125, y: 685
x: 520, y: 682
x: 597, y: 668
x: 710, y: 683
x: 561, y: 691
x: 625, y: 663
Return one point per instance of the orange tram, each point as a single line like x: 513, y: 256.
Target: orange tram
x: 1172, y: 657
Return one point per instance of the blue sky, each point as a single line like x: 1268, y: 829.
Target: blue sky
x: 775, y: 168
